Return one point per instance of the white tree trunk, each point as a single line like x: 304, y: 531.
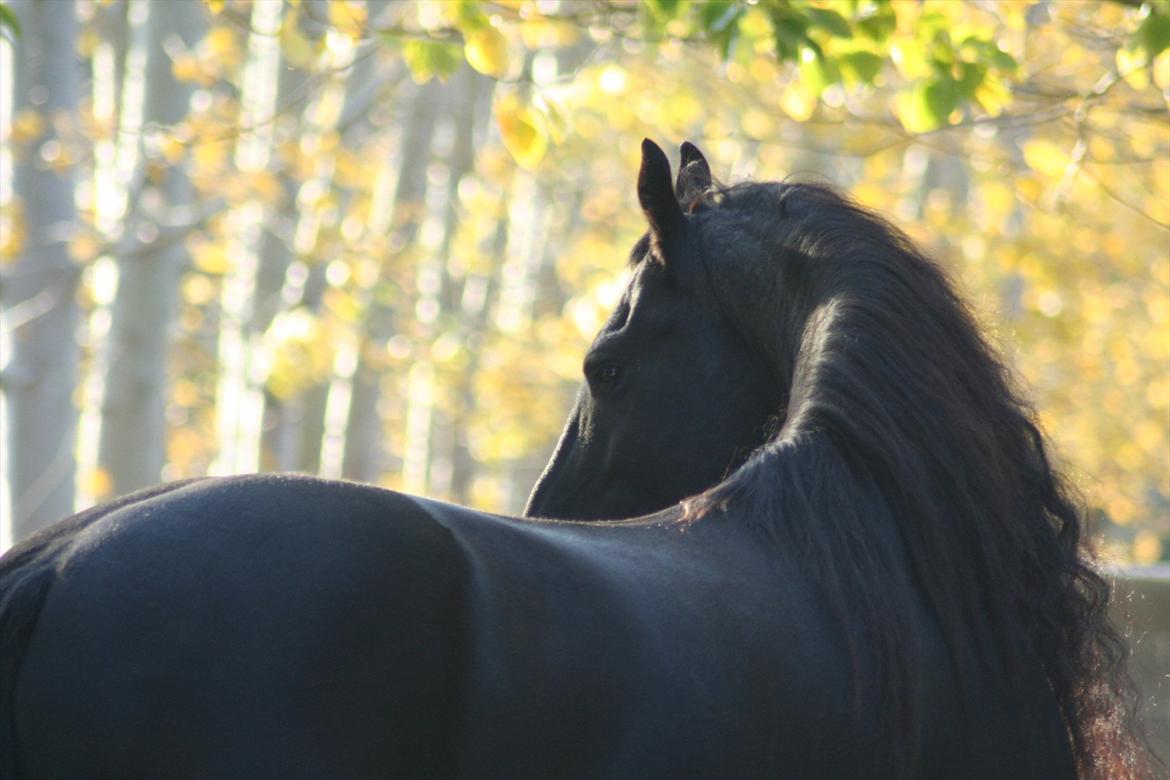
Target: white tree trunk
x: 132, y: 447
x: 37, y: 293
x: 363, y: 430
x: 293, y: 427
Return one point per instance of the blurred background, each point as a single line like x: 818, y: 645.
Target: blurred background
x: 371, y: 239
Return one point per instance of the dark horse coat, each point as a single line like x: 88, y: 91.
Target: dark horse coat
x: 887, y: 586
x: 276, y: 626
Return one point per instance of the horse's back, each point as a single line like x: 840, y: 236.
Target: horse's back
x: 271, y: 626
x: 260, y: 626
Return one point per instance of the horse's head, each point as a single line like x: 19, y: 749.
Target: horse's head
x: 673, y: 398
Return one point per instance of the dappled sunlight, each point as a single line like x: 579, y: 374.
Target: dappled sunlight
x: 399, y: 225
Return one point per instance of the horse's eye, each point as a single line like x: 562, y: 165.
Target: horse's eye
x: 603, y: 373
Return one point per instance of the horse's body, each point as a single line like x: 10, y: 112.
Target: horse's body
x: 293, y: 627
x: 889, y: 582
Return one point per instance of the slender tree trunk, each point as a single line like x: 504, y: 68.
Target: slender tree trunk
x: 114, y: 24
x: 530, y: 256
x: 295, y: 426
x: 476, y: 310
x: 37, y: 293
x: 281, y: 446
x: 132, y: 447
x: 275, y: 251
x: 470, y: 110
x: 363, y: 433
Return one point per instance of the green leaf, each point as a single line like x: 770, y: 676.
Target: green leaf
x: 8, y: 20
x: 789, y: 31
x: 656, y: 14
x: 725, y: 40
x: 976, y: 49
x: 1154, y: 34
x: 817, y: 71
x: 815, y: 48
x: 879, y: 26
x: 941, y: 97
x: 928, y: 105
x: 862, y: 66
x: 717, y: 15
x: 1003, y: 61
x: 720, y: 21
x: 470, y: 18
x: 427, y: 59
x: 663, y: 9
x: 830, y: 20
x: 971, y: 76
x: 910, y: 106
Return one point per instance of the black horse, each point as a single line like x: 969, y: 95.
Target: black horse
x: 888, y: 583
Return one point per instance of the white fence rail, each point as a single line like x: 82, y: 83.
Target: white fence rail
x: 1142, y: 609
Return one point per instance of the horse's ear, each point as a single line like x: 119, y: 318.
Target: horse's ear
x: 694, y: 175
x: 656, y: 195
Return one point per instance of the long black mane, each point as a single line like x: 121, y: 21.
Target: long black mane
x: 906, y: 462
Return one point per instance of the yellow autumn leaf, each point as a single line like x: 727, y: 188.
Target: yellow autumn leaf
x: 173, y: 149
x: 27, y: 125
x: 296, y: 48
x: 211, y: 257
x: 1029, y: 188
x: 911, y: 58
x: 1014, y: 15
x: 301, y: 350
x: 12, y: 233
x: 347, y: 17
x: 99, y: 483
x: 185, y: 67
x: 1131, y: 65
x: 223, y: 47
x: 1147, y: 548
x: 797, y: 102
x: 756, y: 124
x: 83, y: 247
x: 210, y: 156
x: 998, y: 197
x: 542, y: 32
x: 266, y: 186
x: 993, y: 94
x: 1046, y: 157
x: 523, y: 130
x: 556, y: 117
x: 486, y: 50
x: 198, y: 289
x: 1161, y: 70
x: 87, y: 43
x: 913, y: 113
x: 682, y: 110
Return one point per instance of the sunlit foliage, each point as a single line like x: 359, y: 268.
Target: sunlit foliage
x: 1026, y: 144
